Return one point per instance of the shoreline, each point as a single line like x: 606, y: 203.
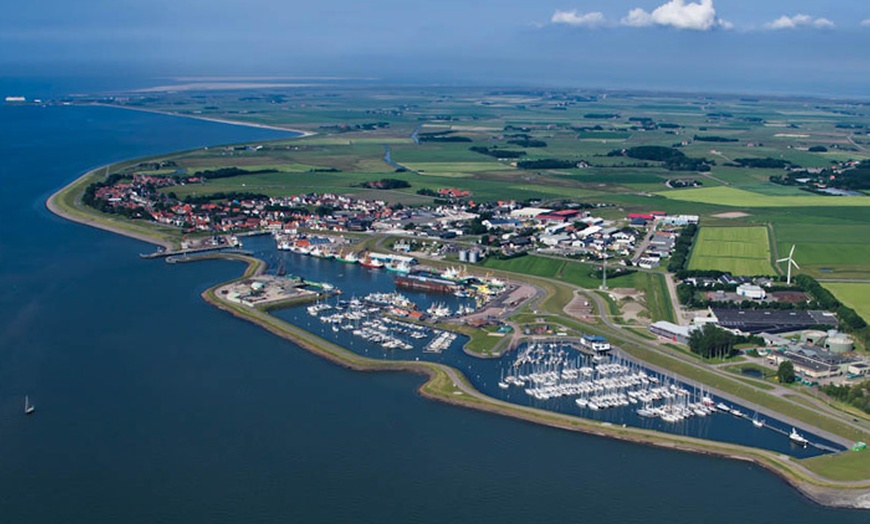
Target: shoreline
x: 302, y: 133
x: 52, y: 205
x: 840, y: 494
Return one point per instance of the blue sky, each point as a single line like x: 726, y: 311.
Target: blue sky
x: 789, y: 46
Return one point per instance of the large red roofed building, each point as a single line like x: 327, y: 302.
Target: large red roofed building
x: 558, y: 216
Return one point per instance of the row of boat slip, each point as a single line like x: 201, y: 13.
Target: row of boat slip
x: 547, y: 371
x: 369, y: 260
x: 441, y: 342
x: 365, y: 319
x: 390, y: 299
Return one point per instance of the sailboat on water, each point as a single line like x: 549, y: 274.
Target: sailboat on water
x: 28, y: 407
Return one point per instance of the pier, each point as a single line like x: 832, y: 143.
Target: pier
x: 164, y: 253
x: 192, y: 255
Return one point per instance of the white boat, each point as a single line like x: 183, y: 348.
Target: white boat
x: 503, y: 385
x: 28, y: 407
x: 757, y: 423
x: 797, y: 438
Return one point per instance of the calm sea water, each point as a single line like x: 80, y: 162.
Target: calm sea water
x: 154, y: 407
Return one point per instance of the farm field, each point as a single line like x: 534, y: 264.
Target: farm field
x: 732, y: 197
x: 454, y: 169
x: 738, y: 250
x: 826, y: 251
x: 856, y: 295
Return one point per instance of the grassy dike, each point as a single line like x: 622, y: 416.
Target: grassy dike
x: 446, y: 384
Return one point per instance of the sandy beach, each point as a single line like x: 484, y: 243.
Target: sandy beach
x: 210, y: 119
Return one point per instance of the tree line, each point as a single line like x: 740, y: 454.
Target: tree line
x: 673, y: 159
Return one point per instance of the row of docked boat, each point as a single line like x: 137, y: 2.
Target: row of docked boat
x: 390, y: 299
x: 441, y: 342
x: 547, y: 371
x: 439, y: 310
x: 348, y: 256
x: 365, y: 318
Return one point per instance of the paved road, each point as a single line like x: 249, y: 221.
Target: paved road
x: 644, y: 244
x: 779, y: 391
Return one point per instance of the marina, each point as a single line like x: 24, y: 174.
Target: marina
x: 583, y: 377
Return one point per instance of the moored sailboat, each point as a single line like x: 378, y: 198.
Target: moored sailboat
x: 797, y: 438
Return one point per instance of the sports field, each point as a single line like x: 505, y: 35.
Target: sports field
x: 729, y: 196
x: 856, y: 295
x: 739, y: 250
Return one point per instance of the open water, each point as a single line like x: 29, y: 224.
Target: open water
x: 154, y: 407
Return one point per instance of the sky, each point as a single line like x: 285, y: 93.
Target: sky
x: 741, y: 46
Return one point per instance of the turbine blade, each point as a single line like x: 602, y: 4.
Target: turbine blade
x: 795, y: 264
x: 782, y: 260
x: 791, y: 253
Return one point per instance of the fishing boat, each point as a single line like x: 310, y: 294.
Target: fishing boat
x: 399, y: 267
x: 28, y: 407
x: 438, y: 310
x: 348, y: 258
x: 370, y: 262
x: 797, y: 438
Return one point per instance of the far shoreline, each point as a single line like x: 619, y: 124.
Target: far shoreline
x: 301, y: 132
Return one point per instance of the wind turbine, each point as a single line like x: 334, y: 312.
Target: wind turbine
x: 791, y: 262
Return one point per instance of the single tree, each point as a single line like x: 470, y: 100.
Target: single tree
x: 785, y: 373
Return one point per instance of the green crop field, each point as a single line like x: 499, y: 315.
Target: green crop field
x: 732, y: 197
x: 856, y: 295
x: 739, y: 250
x: 838, y: 250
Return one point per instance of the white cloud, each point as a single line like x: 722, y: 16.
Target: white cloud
x: 576, y: 19
x: 698, y: 16
x: 865, y: 23
x: 799, y: 20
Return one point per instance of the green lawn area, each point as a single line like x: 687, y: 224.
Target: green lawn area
x: 848, y: 465
x: 732, y: 197
x: 580, y: 274
x: 739, y: 250
x: 856, y: 295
